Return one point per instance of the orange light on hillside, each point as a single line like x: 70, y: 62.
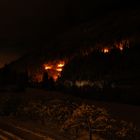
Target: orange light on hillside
x: 61, y: 64
x: 121, y: 48
x: 47, y: 67
x: 54, y: 68
x: 106, y: 50
x: 55, y: 77
x: 59, y: 69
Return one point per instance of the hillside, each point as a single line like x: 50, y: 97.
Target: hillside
x: 83, y: 39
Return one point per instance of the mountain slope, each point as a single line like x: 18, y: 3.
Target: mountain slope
x: 112, y: 28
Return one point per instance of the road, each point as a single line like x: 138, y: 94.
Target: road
x: 9, y: 131
x: 5, y: 135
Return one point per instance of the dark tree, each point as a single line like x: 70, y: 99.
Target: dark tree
x: 45, y: 80
x: 23, y: 80
x: 51, y: 83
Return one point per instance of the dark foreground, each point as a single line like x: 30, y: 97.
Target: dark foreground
x: 38, y: 114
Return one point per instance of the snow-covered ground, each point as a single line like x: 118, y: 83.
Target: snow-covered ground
x: 49, y: 131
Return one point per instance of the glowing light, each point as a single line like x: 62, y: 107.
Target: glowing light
x: 61, y: 64
x: 55, y: 77
x: 106, y: 50
x: 59, y: 69
x: 121, y: 48
x: 47, y: 67
x: 54, y: 68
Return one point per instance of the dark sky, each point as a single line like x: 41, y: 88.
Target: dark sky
x: 24, y: 25
x: 27, y: 24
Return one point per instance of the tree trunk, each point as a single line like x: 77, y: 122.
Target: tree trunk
x: 90, y: 134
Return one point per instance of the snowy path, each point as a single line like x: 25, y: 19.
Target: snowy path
x: 9, y: 131
x: 5, y: 135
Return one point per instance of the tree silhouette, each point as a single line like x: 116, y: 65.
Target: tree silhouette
x: 7, y: 75
x: 51, y: 84
x: 45, y: 80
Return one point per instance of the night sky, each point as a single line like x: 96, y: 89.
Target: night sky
x: 28, y: 24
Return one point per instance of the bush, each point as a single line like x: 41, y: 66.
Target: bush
x: 98, y: 122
